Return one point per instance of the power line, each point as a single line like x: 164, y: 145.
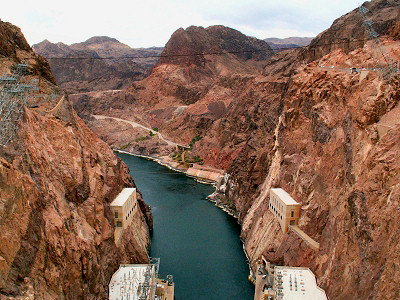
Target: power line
x: 209, y: 53
x: 151, y: 172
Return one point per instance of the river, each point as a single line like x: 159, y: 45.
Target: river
x: 196, y: 241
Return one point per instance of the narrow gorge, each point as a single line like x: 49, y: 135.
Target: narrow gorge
x: 320, y: 121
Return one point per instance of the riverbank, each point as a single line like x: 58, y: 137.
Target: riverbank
x: 202, y: 174
x: 172, y: 165
x: 215, y: 176
x: 197, y: 242
x: 224, y: 207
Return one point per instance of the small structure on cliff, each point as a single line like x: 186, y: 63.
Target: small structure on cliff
x: 140, y: 282
x: 287, y: 211
x: 286, y: 283
x: 123, y: 208
x: 284, y: 207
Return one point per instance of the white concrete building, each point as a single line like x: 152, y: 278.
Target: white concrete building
x: 284, y: 207
x: 123, y: 207
x: 286, y: 283
x: 140, y: 282
x: 133, y: 282
x: 296, y: 283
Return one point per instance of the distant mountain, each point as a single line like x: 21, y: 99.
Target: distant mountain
x: 192, y: 85
x: 187, y: 48
x: 92, y: 73
x: 288, y: 43
x: 105, y: 46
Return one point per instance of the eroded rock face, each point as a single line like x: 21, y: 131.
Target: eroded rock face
x: 349, y: 31
x: 185, y: 93
x: 325, y: 153
x: 325, y: 145
x: 215, y: 40
x: 57, y: 180
x: 92, y: 73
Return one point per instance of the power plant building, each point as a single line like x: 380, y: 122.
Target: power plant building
x: 140, y: 282
x: 284, y: 207
x: 286, y: 283
x: 123, y: 209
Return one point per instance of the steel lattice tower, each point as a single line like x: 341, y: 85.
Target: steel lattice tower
x: 14, y: 95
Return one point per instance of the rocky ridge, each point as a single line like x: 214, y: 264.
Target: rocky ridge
x: 187, y: 90
x: 57, y: 180
x: 321, y: 138
x: 85, y: 67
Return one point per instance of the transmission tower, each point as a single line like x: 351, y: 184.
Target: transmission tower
x: 148, y: 287
x: 391, y: 68
x: 14, y: 94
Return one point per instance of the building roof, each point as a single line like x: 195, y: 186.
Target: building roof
x: 128, y: 280
x: 284, y: 196
x: 122, y: 196
x: 304, y: 279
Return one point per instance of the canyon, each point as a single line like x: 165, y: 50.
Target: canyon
x: 57, y: 180
x: 300, y: 120
x: 321, y: 122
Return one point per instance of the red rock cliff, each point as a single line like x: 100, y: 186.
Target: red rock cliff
x: 329, y: 137
x: 57, y: 180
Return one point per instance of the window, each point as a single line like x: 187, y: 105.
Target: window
x: 292, y: 222
x: 292, y: 214
x: 118, y: 224
x: 116, y: 215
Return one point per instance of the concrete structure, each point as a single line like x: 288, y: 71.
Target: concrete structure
x: 284, y: 207
x: 296, y: 283
x: 123, y: 207
x: 305, y: 237
x: 140, y: 282
x: 286, y: 283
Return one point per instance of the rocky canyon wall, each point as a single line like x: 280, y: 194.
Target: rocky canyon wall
x: 332, y: 142
x: 300, y: 120
x: 57, y: 180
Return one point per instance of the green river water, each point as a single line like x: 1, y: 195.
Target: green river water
x: 196, y: 241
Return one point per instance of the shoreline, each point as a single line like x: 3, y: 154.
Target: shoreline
x: 223, y: 207
x: 158, y: 160
x: 169, y: 166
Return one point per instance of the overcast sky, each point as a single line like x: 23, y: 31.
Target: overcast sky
x: 148, y: 23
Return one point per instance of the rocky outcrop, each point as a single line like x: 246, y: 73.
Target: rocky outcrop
x: 96, y: 64
x: 350, y: 31
x: 324, y: 151
x: 195, y: 41
x: 57, y: 180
